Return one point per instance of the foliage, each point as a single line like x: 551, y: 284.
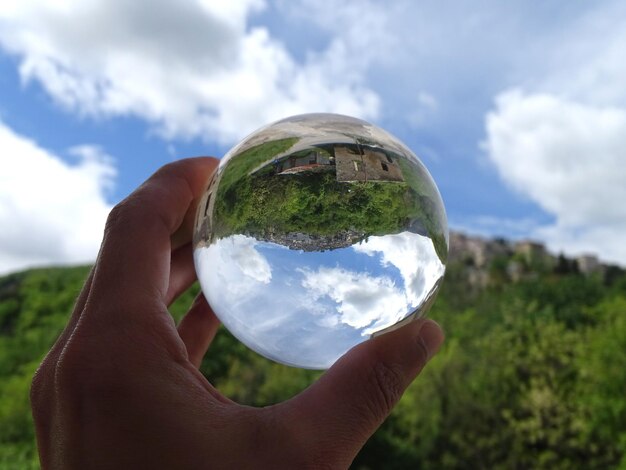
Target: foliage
x: 252, y: 199
x: 34, y: 308
x: 531, y: 376
x: 241, y: 165
x: 315, y: 203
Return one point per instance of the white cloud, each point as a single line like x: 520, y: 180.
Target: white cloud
x: 240, y: 252
x: 559, y: 139
x: 567, y: 157
x: 413, y: 255
x: 278, y: 319
x: 362, y: 300
x: 208, y: 69
x: 358, y: 32
x: 50, y: 212
x: 193, y: 69
x: 292, y: 306
x: 200, y: 68
x: 242, y: 274
x: 238, y: 280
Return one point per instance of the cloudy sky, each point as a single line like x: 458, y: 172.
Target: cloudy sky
x: 309, y: 308
x: 517, y: 108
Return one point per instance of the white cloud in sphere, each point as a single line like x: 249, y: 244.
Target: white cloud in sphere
x: 568, y: 157
x: 413, y: 255
x: 240, y: 251
x: 362, y: 300
x: 193, y: 68
x: 50, y: 212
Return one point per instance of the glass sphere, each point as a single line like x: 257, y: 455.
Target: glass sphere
x: 316, y: 233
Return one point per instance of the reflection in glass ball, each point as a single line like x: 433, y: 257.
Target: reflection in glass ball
x: 316, y: 233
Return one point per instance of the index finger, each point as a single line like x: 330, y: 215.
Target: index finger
x: 133, y: 266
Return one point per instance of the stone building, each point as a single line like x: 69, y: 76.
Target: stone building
x: 532, y: 252
x: 303, y: 161
x: 590, y: 264
x: 476, y: 251
x: 357, y: 163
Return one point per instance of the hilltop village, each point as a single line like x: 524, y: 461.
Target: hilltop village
x: 484, y: 259
x: 351, y: 162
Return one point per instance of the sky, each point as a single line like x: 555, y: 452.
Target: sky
x: 309, y: 308
x: 517, y: 108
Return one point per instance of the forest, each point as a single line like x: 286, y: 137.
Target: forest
x: 532, y: 373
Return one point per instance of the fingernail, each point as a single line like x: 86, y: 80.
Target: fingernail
x: 431, y: 337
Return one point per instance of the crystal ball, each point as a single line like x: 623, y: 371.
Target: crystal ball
x: 318, y: 232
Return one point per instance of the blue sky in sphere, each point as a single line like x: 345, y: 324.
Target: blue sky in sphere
x: 308, y: 308
x: 518, y: 109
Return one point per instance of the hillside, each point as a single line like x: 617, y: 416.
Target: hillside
x: 531, y: 376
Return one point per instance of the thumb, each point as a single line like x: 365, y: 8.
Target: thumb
x: 338, y: 413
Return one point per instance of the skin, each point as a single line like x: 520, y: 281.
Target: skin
x: 121, y: 387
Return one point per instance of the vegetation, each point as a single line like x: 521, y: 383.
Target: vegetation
x: 34, y: 307
x: 531, y: 375
x: 314, y: 202
x: 433, y: 212
x: 240, y: 166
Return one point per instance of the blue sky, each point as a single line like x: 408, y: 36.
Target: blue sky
x: 517, y: 108
x: 309, y: 308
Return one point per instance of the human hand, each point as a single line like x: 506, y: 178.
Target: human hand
x: 121, y: 387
